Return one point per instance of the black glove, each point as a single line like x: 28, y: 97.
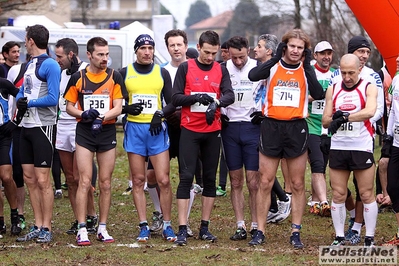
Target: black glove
x: 225, y: 121
x: 90, y: 115
x: 8, y: 128
x: 337, y: 114
x: 257, y: 117
x: 74, y: 65
x: 156, y: 123
x: 22, y: 104
x: 203, y: 98
x: 174, y: 119
x: 308, y: 57
x: 386, y: 146
x: 96, y: 127
x: 325, y: 144
x: 132, y: 109
x: 279, y: 52
x: 336, y: 123
x: 210, y: 113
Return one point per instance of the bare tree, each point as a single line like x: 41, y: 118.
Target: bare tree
x: 9, y: 5
x: 297, y: 14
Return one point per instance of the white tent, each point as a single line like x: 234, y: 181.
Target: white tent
x: 30, y: 20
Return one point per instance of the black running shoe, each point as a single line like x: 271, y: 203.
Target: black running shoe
x: 257, y: 239
x: 204, y: 234
x: 295, y: 240
x: 181, y: 237
x: 240, y: 234
x: 74, y: 228
x: 91, y: 224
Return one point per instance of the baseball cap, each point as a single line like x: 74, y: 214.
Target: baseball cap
x: 322, y: 46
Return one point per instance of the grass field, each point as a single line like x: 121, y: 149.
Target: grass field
x: 123, y: 221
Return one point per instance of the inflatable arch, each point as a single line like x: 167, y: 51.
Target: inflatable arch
x: 380, y: 18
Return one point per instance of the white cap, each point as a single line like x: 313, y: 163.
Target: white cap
x: 322, y: 46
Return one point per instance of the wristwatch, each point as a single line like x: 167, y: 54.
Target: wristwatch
x: 101, y: 117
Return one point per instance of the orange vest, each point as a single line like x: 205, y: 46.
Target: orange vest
x: 286, y: 93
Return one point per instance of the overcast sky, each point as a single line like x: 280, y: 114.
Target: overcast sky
x: 180, y: 8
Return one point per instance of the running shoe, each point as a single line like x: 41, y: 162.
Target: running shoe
x: 284, y: 210
x: 64, y: 186
x: 58, y: 195
x: 15, y: 226
x: 3, y: 229
x: 271, y: 217
x: 189, y: 231
x: 33, y: 234
x: 394, y: 241
x: 354, y: 237
x: 240, y: 234
x: 22, y: 222
x: 369, y: 242
x: 197, y: 189
x: 103, y: 236
x: 144, y: 234
x: 348, y: 233
x: 253, y: 232
x: 181, y: 238
x: 127, y: 191
x: 295, y: 240
x: 157, y: 222
x: 168, y: 234
x: 16, y: 229
x: 82, y: 238
x: 338, y: 241
x: 220, y: 192
x: 45, y: 236
x: 257, y: 239
x: 91, y: 224
x: 204, y: 234
x: 74, y: 228
x: 325, y: 210
x: 315, y: 209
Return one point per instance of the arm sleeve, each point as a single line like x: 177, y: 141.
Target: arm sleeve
x: 167, y: 93
x: 379, y: 112
x: 227, y: 97
x: 178, y: 97
x: 315, y: 88
x: 124, y: 90
x: 261, y: 71
x: 71, y: 93
x: 119, y: 85
x: 51, y: 71
x: 6, y: 84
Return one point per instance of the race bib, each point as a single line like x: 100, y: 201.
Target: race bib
x: 349, y: 129
x: 29, y: 117
x: 96, y: 101
x: 396, y: 131
x: 199, y: 108
x: 149, y: 101
x: 318, y: 107
x: 286, y: 96
x: 243, y: 97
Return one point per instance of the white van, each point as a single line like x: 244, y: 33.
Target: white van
x: 121, y: 42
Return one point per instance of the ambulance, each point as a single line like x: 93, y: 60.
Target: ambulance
x: 120, y: 42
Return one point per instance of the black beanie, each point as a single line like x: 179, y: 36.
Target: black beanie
x: 356, y: 43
